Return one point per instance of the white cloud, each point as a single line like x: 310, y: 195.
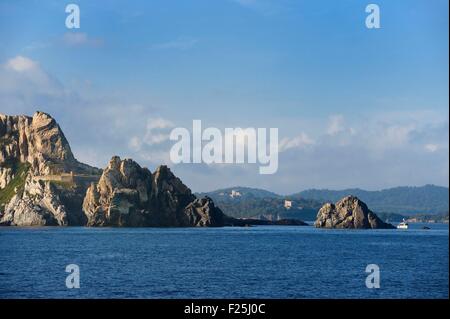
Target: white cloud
x: 36, y: 46
x: 22, y: 77
x: 394, y: 135
x: 363, y: 150
x: 335, y: 125
x: 155, y: 138
x: 135, y: 143
x: 300, y: 141
x: 21, y: 64
x: 157, y: 157
x: 157, y: 131
x: 382, y: 132
x: 97, y: 124
x: 431, y: 147
x: 158, y: 123
x: 68, y: 39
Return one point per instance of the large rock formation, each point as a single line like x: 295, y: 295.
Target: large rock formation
x: 120, y: 197
x: 38, y: 140
x: 33, y: 153
x: 42, y: 184
x: 349, y: 212
x: 129, y: 195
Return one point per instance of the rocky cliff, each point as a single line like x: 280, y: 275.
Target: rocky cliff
x: 32, y: 149
x: 349, y: 212
x: 38, y: 204
x: 129, y: 195
x: 39, y: 141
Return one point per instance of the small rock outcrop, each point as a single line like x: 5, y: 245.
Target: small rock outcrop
x: 129, y: 195
x: 349, y: 212
x: 203, y: 212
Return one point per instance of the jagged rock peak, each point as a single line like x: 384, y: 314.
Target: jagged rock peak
x: 121, y: 196
x: 165, y: 180
x: 126, y: 172
x: 36, y: 184
x: 129, y: 195
x: 37, y: 134
x: 37, y: 140
x: 203, y: 212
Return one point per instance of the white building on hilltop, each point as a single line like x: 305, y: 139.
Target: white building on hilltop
x: 287, y: 204
x: 235, y: 193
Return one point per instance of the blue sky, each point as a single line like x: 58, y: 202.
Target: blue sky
x: 355, y: 107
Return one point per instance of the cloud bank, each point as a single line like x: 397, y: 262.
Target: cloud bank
x: 358, y: 150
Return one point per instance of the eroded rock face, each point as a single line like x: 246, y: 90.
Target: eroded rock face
x: 349, y: 212
x: 169, y: 199
x: 121, y: 197
x: 129, y: 195
x: 6, y: 175
x: 33, y: 147
x: 39, y: 141
x: 38, y: 204
x: 203, y: 212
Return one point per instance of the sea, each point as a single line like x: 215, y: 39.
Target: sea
x: 232, y: 262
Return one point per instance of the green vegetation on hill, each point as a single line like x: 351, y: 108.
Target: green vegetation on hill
x: 16, y: 185
x: 391, y: 217
x: 270, y: 208
x: 420, y: 218
x: 428, y: 199
x: 424, y: 218
x: 258, y: 203
x: 244, y: 193
x: 390, y: 204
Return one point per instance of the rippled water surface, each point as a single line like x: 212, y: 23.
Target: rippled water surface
x: 255, y: 262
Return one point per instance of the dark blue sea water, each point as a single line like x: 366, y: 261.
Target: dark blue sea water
x: 256, y: 262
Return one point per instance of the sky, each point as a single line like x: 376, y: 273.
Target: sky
x: 355, y: 107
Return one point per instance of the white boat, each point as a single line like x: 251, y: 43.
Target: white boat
x: 403, y: 225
